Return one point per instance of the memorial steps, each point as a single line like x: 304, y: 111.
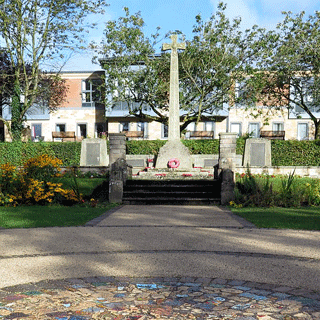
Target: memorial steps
x: 172, y: 191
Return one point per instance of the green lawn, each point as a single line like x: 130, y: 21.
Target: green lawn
x: 56, y: 215
x: 48, y: 216
x: 304, y: 218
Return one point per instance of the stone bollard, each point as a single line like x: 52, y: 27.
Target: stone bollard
x: 119, y: 169
x: 227, y: 156
x: 119, y: 173
x: 117, y: 144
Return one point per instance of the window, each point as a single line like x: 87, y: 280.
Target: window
x: 36, y: 130
x: 236, y: 128
x: 304, y: 88
x: 60, y: 127
x: 242, y: 92
x: 140, y: 126
x: 254, y: 130
x: 90, y: 92
x: 209, y: 126
x: 277, y: 126
x: 303, y: 131
x: 82, y: 130
x: 164, y: 131
x: 124, y: 126
x: 143, y: 126
x: 100, y: 130
x: 192, y: 126
x: 120, y: 106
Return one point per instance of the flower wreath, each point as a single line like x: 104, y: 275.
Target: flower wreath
x: 174, y: 163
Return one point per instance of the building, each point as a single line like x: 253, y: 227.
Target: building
x: 84, y: 115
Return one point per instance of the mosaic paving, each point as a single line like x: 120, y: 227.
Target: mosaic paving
x: 156, y: 298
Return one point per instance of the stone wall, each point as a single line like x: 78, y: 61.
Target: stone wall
x: 312, y: 172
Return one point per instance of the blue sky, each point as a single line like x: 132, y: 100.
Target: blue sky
x: 180, y: 14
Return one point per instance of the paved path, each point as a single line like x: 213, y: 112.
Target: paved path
x: 189, y: 251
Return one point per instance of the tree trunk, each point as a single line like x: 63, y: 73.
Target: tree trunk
x: 16, y: 119
x: 317, y: 129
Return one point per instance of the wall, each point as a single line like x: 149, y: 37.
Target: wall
x: 266, y: 118
x: 312, y: 172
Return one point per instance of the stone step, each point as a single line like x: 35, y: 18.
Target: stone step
x: 171, y: 182
x: 172, y: 192
x: 173, y: 201
x: 171, y: 187
x: 167, y: 195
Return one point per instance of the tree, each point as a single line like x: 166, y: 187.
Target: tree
x: 218, y: 54
x: 37, y: 32
x: 287, y: 69
x: 52, y: 90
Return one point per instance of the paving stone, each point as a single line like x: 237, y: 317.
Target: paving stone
x: 135, y: 298
x: 219, y: 281
x: 236, y: 283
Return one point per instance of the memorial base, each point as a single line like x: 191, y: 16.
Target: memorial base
x: 174, y: 149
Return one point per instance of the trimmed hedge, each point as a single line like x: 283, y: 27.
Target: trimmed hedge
x: 284, y: 153
x: 295, y: 153
x: 152, y: 146
x: 17, y: 153
x: 144, y: 146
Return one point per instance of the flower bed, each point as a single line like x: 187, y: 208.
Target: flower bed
x: 34, y: 184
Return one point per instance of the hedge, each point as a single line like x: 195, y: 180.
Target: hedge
x: 295, y: 153
x: 284, y: 153
x: 18, y: 152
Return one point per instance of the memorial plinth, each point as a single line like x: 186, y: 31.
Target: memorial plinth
x: 94, y: 152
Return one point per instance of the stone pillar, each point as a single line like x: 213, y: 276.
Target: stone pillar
x: 118, y: 173
x: 227, y: 157
x: 117, y: 146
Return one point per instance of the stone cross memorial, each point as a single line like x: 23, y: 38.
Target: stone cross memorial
x: 174, y: 112
x: 174, y: 148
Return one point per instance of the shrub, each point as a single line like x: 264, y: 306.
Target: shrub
x: 16, y: 153
x: 282, y: 191
x: 144, y: 146
x: 295, y: 153
x: 202, y: 146
x: 42, y: 168
x: 252, y: 192
x: 312, y: 192
x: 33, y: 184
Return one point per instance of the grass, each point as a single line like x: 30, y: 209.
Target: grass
x: 56, y: 215
x: 303, y: 218
x: 49, y: 216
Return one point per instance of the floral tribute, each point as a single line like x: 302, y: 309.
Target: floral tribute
x: 34, y: 183
x: 173, y: 163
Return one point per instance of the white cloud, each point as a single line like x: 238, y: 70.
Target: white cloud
x: 241, y: 8
x: 266, y: 13
x: 276, y: 6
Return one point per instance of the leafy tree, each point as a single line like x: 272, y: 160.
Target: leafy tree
x: 37, y: 32
x: 51, y: 91
x: 287, y: 69
x: 218, y: 54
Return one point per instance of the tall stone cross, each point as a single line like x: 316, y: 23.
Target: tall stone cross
x: 174, y: 113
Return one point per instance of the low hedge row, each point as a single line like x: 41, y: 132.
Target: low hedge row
x: 295, y: 153
x: 284, y: 153
x: 17, y: 153
x: 195, y: 146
